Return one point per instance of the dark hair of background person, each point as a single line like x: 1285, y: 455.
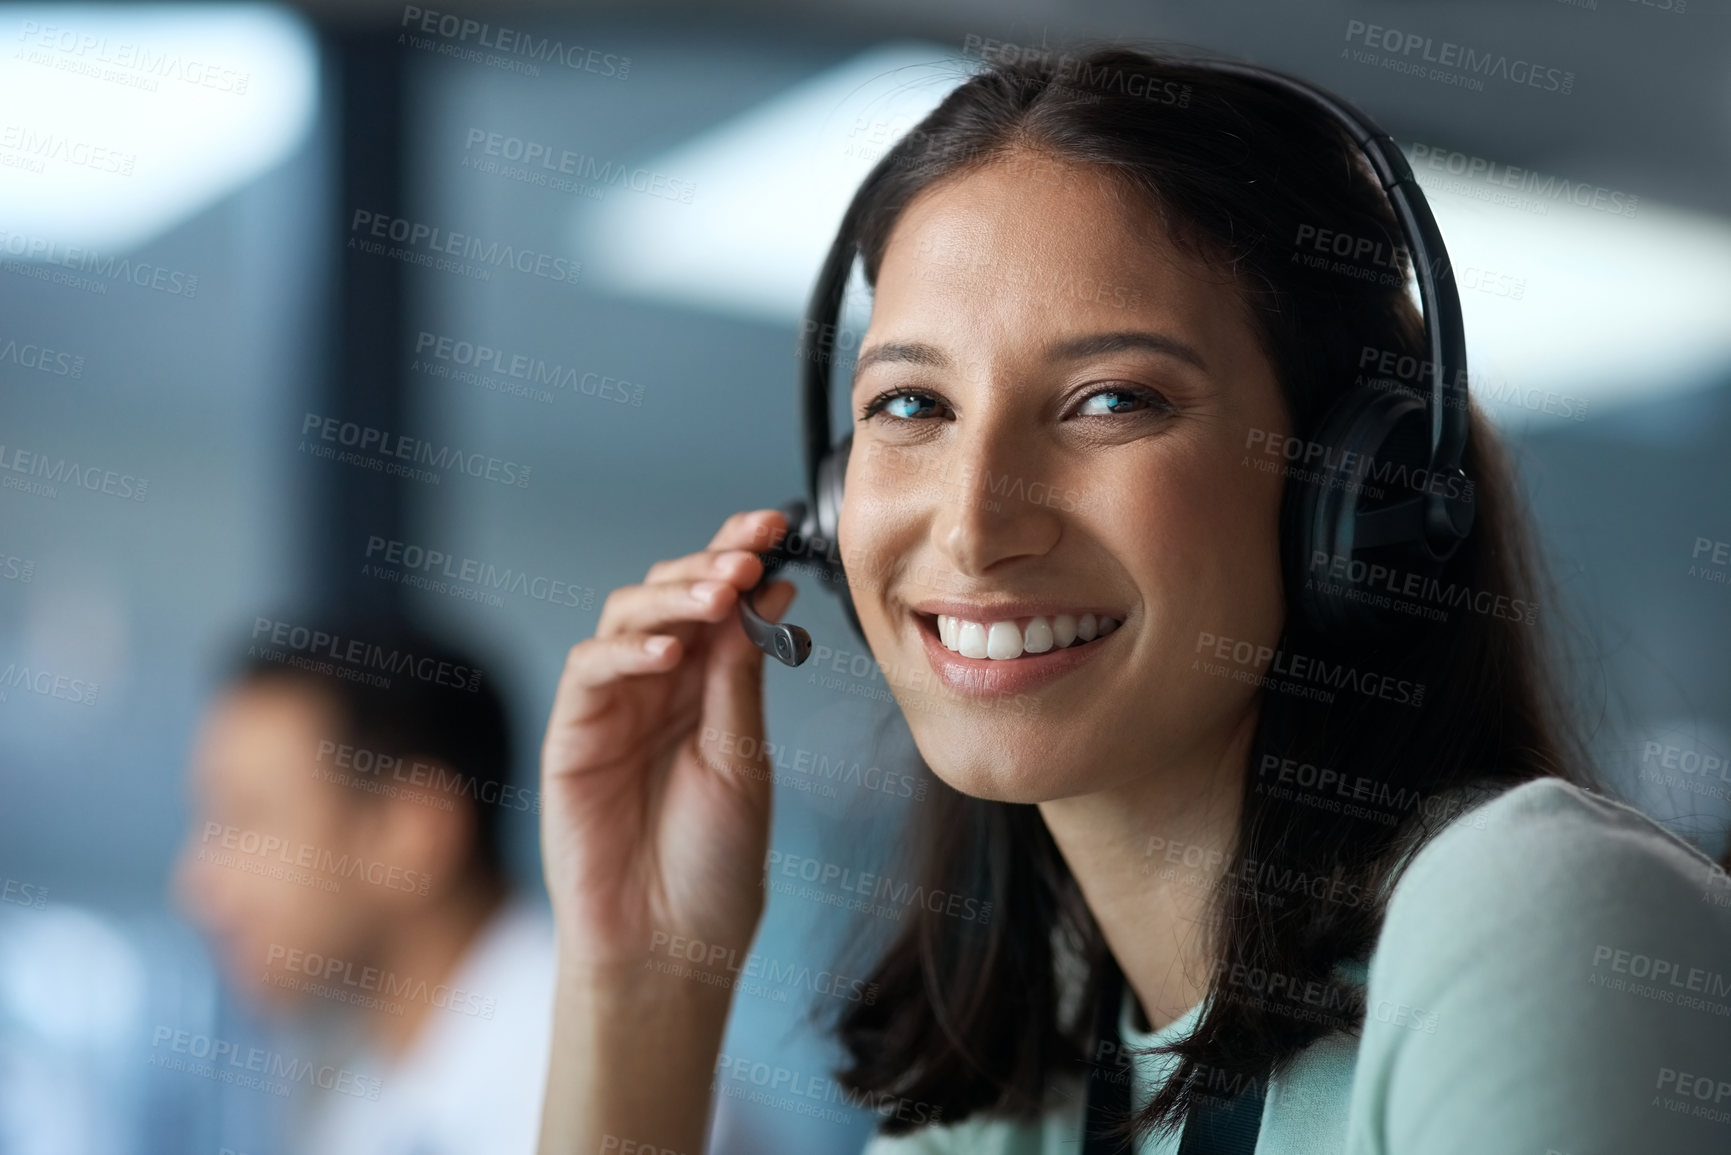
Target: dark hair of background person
x: 467, y: 732
x: 979, y: 1019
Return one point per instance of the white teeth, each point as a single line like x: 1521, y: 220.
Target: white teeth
x: 1003, y: 640
x: 1064, y: 629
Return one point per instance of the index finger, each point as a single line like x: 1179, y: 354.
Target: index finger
x: 758, y: 530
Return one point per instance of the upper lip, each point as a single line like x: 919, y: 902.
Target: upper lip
x: 1011, y: 610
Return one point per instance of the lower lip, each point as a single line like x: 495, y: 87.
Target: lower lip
x: 997, y: 678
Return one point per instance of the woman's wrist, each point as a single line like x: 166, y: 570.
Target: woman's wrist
x: 634, y: 1054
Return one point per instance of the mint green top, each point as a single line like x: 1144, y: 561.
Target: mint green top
x: 1553, y: 977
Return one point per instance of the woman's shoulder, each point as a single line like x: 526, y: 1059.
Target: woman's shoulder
x: 1546, y: 963
x: 1551, y: 842
x: 1547, y: 869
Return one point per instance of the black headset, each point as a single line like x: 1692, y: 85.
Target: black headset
x: 1369, y: 433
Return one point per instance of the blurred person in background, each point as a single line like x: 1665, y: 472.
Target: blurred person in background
x: 345, y: 860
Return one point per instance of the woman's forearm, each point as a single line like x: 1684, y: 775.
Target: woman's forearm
x: 632, y: 1063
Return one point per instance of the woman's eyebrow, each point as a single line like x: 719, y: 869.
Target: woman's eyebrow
x: 1098, y: 344
x: 1074, y: 349
x: 910, y: 352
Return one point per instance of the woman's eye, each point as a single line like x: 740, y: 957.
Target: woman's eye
x: 1116, y: 401
x: 901, y: 405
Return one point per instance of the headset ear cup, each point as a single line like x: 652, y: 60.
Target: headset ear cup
x: 1369, y: 434
x: 831, y: 476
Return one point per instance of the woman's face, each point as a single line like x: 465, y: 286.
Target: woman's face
x: 1068, y: 433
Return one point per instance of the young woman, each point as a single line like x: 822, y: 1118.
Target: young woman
x: 1365, y: 882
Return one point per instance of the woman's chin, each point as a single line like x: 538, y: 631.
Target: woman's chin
x: 1000, y: 777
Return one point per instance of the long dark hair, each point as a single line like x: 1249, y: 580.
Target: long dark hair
x: 973, y: 1018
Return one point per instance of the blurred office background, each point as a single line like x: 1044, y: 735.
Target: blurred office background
x: 653, y: 395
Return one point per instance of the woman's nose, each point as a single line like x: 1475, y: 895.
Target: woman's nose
x: 985, y: 513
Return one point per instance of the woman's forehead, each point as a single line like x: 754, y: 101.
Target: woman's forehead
x: 1001, y: 246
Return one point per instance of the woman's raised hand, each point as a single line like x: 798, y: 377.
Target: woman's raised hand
x: 647, y: 825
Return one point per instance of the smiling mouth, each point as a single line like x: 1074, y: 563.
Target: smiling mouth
x: 1015, y: 639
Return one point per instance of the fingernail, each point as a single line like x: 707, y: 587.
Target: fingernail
x: 706, y: 591
x: 655, y: 647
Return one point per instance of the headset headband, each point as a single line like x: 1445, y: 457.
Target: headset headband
x: 1444, y: 520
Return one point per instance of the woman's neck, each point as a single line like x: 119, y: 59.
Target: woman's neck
x: 1146, y: 856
